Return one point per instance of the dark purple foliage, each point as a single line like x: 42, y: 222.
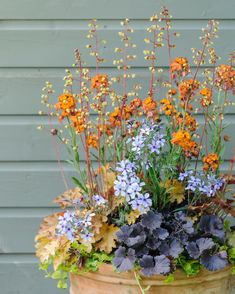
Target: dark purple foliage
x: 212, y: 224
x: 152, y: 220
x: 124, y: 259
x: 214, y: 262
x: 154, y: 265
x: 197, y: 248
x: 171, y: 248
x: 158, y: 238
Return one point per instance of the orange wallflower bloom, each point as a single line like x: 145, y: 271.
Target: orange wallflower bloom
x: 180, y: 65
x: 99, y: 81
x: 183, y: 139
x: 211, y: 162
x: 118, y: 115
x: 66, y: 102
x: 186, y: 120
x: 92, y: 140
x: 225, y: 77
x: 78, y: 121
x: 115, y: 117
x: 167, y: 107
x: 187, y: 89
x: 106, y: 128
x: 135, y: 103
x: 149, y: 104
x: 206, y: 97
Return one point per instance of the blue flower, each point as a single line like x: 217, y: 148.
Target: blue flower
x: 86, y: 235
x: 99, y: 200
x: 143, y: 202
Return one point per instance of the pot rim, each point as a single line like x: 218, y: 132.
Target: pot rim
x: 107, y: 274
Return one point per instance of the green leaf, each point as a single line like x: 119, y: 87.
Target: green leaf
x: 169, y: 279
x: 57, y: 275
x: 79, y: 184
x: 62, y: 284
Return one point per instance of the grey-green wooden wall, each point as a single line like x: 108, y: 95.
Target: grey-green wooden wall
x: 37, y: 39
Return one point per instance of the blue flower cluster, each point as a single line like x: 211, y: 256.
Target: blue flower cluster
x: 71, y: 224
x: 149, y: 137
x: 128, y: 185
x: 201, y: 183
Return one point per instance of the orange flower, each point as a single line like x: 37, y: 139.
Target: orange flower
x: 180, y: 65
x: 172, y: 92
x: 118, y: 115
x: 99, y: 81
x: 78, y: 121
x: 115, y: 117
x: 167, y: 107
x: 66, y: 102
x: 206, y: 97
x: 188, y: 121
x: 184, y: 140
x: 92, y: 140
x: 211, y: 162
x: 225, y: 77
x: 106, y: 128
x: 135, y: 103
x: 187, y: 89
x: 149, y: 104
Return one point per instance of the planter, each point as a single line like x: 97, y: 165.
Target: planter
x: 107, y: 281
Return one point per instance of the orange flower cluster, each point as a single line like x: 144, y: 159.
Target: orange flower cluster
x: 206, y: 99
x: 78, y: 120
x: 187, y: 89
x: 211, y: 162
x: 183, y: 139
x: 126, y: 112
x: 150, y: 107
x: 92, y: 140
x: 118, y: 114
x: 105, y: 129
x: 167, y: 107
x: 180, y: 65
x: 99, y: 81
x: 225, y: 77
x: 187, y: 120
x: 67, y: 104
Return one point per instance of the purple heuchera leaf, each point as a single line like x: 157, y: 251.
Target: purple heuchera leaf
x: 197, y: 248
x: 162, y: 264
x: 152, y: 243
x: 161, y: 233
x: 147, y: 264
x: 152, y: 220
x: 171, y: 248
x: 214, y: 262
x: 124, y: 259
x: 154, y: 265
x: 212, y: 224
x: 124, y: 233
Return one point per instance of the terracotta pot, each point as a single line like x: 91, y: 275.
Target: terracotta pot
x: 106, y: 281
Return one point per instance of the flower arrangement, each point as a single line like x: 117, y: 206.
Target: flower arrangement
x: 151, y: 198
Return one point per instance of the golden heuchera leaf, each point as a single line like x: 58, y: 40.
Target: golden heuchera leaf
x: 132, y: 216
x: 175, y: 189
x: 108, y: 240
x: 68, y: 197
x: 47, y: 242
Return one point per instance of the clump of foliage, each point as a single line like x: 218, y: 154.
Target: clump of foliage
x: 151, y: 197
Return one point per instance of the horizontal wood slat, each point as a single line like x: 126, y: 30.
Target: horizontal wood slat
x: 20, y: 88
x: 110, y: 9
x: 53, y: 47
